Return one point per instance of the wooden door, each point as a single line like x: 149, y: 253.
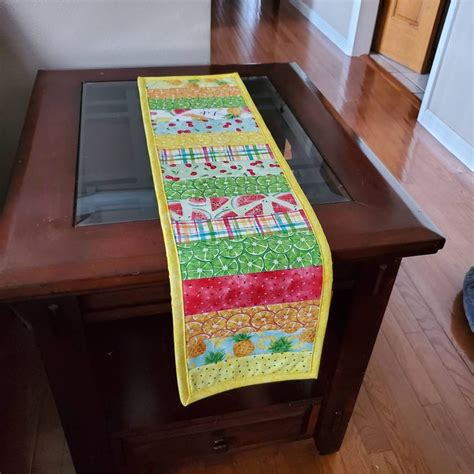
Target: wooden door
x: 406, y: 30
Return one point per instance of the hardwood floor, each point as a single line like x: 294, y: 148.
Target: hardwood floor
x: 415, y: 412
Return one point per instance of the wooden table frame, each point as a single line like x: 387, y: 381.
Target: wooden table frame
x: 48, y: 267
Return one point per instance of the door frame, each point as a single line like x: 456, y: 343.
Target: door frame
x: 439, y: 129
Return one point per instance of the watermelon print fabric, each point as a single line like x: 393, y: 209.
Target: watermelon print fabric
x: 250, y: 268
x: 204, y: 208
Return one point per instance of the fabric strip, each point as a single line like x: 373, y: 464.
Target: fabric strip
x: 184, y: 171
x: 210, y: 139
x: 236, y: 291
x: 216, y: 153
x: 204, y: 208
x: 230, y: 227
x: 249, y: 254
x: 286, y: 317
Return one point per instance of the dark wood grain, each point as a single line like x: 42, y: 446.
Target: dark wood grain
x: 355, y: 341
x: 120, y: 378
x: 42, y: 253
x: 59, y: 335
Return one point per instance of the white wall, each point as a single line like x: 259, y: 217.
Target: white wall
x: 447, y: 110
x: 349, y: 24
x: 335, y: 13
x: 47, y: 34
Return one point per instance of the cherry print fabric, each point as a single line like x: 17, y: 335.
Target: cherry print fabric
x: 250, y: 269
x: 202, y: 120
x: 177, y: 172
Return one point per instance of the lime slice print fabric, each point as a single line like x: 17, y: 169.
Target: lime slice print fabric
x: 250, y: 268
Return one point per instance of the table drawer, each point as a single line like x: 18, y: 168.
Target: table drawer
x: 128, y: 303
x: 161, y: 449
x: 155, y: 299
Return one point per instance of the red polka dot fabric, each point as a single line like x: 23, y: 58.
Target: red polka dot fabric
x: 255, y: 289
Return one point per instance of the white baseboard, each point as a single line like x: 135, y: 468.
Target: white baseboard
x: 462, y: 150
x: 323, y: 26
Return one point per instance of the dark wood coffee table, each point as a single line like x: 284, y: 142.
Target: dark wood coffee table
x: 82, y: 259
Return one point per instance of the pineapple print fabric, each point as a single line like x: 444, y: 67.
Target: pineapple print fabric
x: 250, y: 268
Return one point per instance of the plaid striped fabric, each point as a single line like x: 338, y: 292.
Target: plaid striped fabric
x: 221, y: 153
x: 234, y: 227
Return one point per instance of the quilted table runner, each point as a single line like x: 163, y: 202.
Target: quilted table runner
x: 250, y: 268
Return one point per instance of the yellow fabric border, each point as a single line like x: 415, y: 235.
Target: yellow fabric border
x: 255, y: 363
x: 177, y: 304
x: 187, y: 395
x: 209, y: 139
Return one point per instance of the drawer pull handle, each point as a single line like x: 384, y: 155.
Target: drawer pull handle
x: 220, y: 445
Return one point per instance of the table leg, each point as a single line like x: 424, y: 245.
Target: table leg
x: 59, y: 335
x: 357, y: 338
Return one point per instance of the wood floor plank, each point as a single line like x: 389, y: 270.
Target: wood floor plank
x: 355, y: 457
x: 453, y: 400
x: 449, y: 315
x: 453, y: 363
x: 452, y: 438
x: 332, y: 463
x: 411, y: 301
x: 410, y: 364
x: 400, y: 437
x: 386, y: 463
x: 368, y: 425
x: 402, y: 312
x: 298, y: 457
x: 404, y: 421
x: 219, y: 467
x: 264, y: 463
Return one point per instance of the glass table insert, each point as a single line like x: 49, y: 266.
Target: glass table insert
x: 114, y: 181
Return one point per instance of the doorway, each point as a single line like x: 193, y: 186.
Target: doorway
x: 405, y: 40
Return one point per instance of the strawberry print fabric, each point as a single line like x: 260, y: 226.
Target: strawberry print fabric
x: 253, y: 289
x: 250, y: 270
